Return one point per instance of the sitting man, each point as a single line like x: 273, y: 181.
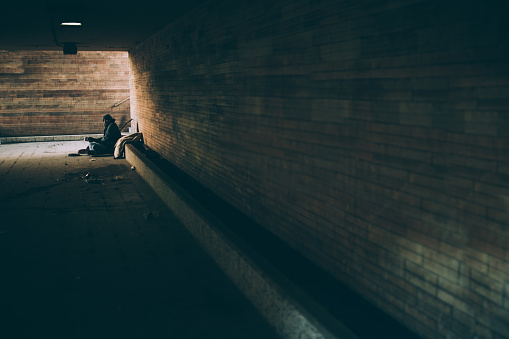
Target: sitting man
x: 106, y: 144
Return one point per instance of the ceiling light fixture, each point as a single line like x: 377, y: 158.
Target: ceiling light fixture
x: 71, y: 23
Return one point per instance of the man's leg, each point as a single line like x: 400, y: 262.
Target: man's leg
x: 96, y: 148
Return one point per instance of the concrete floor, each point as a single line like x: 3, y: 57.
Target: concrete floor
x: 102, y: 256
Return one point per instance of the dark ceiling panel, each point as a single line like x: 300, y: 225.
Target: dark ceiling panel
x: 107, y: 25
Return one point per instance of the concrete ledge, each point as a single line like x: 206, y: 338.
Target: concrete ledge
x: 283, y: 304
x: 42, y: 138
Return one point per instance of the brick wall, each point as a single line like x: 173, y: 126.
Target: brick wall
x: 372, y: 136
x: 48, y: 93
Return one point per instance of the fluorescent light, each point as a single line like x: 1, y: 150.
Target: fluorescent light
x: 70, y: 24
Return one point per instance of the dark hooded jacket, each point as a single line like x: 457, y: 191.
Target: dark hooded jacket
x: 111, y: 135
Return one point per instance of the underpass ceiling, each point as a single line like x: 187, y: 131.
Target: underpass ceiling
x: 106, y: 25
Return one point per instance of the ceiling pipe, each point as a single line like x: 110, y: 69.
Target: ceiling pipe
x: 68, y: 47
x: 53, y: 31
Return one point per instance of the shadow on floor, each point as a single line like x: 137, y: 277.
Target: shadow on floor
x: 100, y: 256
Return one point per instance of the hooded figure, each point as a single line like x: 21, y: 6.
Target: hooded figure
x: 106, y: 144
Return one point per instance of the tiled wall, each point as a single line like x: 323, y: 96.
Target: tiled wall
x: 48, y: 93
x: 372, y: 136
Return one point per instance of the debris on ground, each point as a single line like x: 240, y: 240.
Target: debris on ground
x: 94, y: 181
x: 91, y: 180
